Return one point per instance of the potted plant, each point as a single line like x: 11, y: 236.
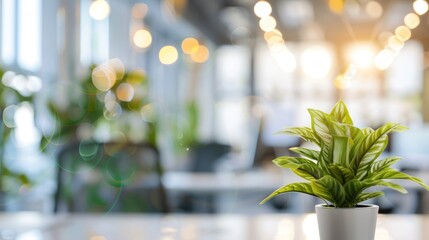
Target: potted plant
x: 341, y: 171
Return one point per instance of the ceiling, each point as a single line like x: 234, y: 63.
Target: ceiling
x: 300, y: 20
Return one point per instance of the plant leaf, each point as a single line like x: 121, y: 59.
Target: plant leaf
x: 366, y: 196
x: 380, y: 165
x: 325, y: 156
x: 309, y: 171
x: 305, y: 133
x: 305, y: 152
x: 372, y: 146
x: 330, y: 189
x: 355, y: 187
x: 393, y: 186
x: 340, y: 152
x: 341, y: 113
x: 320, y: 123
x: 347, y: 173
x: 291, y: 162
x: 394, y: 174
x: 293, y: 187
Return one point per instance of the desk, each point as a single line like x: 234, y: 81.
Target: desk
x: 227, y: 181
x: 25, y: 226
x: 234, y: 192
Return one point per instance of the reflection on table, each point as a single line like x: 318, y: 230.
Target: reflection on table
x: 26, y: 226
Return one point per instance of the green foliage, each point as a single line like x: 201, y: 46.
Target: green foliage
x: 85, y: 104
x: 346, y: 164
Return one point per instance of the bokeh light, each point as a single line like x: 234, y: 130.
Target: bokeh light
x: 168, y: 55
x: 316, y: 62
x: 201, y: 55
x: 190, y: 45
x: 140, y: 10
x: 374, y: 9
x: 395, y: 43
x: 262, y: 9
x: 361, y: 54
x: 267, y: 24
x: 284, y: 58
x: 412, y: 20
x: 99, y: 9
x: 420, y: 7
x: 336, y: 6
x: 142, y: 38
x: 384, y: 59
x: 103, y: 77
x: 125, y: 92
x: 403, y: 33
x: 273, y: 33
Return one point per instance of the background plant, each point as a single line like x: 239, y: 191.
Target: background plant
x: 346, y: 163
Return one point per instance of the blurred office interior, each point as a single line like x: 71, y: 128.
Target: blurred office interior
x: 202, y: 87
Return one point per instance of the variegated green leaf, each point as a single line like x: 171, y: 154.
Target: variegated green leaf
x: 390, y: 173
x: 341, y: 113
x: 309, y: 171
x: 366, y: 196
x: 305, y: 133
x: 340, y: 152
x: 347, y: 173
x: 372, y: 146
x: 305, y: 152
x: 320, y: 123
x: 377, y: 147
x: 382, y: 164
x: 325, y: 156
x: 330, y: 189
x: 393, y: 186
x: 367, y: 130
x: 291, y: 162
x: 342, y: 174
x: 355, y: 187
x: 293, y: 187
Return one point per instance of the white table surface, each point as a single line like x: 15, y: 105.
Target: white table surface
x: 33, y: 226
x: 227, y: 181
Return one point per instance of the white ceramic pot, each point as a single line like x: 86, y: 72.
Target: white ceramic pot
x: 356, y: 223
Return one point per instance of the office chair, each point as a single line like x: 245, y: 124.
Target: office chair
x: 109, y: 177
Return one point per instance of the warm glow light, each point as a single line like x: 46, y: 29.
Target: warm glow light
x: 384, y: 59
x: 118, y: 67
x: 201, y: 55
x: 316, y: 62
x: 336, y: 6
x: 99, y: 9
x: 168, y: 55
x: 140, y: 10
x: 267, y: 24
x: 262, y: 9
x: 374, y: 9
x: 276, y: 39
x: 103, y: 77
x: 343, y: 81
x: 403, y: 33
x: 383, y: 38
x: 284, y: 59
x: 190, y: 45
x: 395, y: 43
x: 273, y: 33
x: 420, y: 7
x: 142, y: 38
x: 361, y: 55
x: 125, y: 92
x: 412, y: 20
